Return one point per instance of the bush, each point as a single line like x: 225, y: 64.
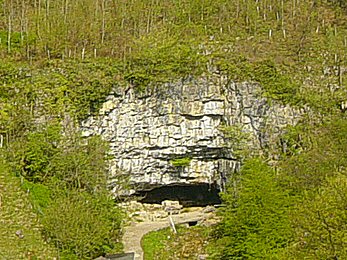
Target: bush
x: 83, y: 225
x: 39, y: 194
x: 320, y: 222
x: 319, y: 151
x: 66, y: 177
x: 40, y: 148
x: 277, y: 86
x: 255, y: 223
x: 81, y: 164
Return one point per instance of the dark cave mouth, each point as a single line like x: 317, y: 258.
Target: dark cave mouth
x: 193, y: 195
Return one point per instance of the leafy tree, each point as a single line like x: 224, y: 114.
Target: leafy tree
x: 81, y: 164
x: 320, y: 151
x: 82, y: 225
x: 320, y: 222
x: 255, y: 223
x: 66, y: 178
x: 40, y: 148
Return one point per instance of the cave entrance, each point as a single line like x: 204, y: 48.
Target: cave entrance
x: 188, y: 195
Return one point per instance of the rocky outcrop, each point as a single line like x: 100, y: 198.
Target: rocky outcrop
x: 171, y: 134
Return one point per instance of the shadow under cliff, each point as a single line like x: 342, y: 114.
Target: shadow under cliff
x: 188, y: 195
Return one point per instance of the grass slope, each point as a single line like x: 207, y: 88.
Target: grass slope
x: 16, y: 214
x: 188, y: 243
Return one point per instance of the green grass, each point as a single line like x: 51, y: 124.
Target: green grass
x: 188, y: 243
x: 154, y: 242
x: 16, y: 214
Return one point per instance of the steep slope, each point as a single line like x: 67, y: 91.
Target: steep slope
x: 20, y: 237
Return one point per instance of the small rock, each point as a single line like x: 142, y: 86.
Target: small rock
x: 209, y: 209
x: 172, y: 206
x: 160, y: 214
x: 141, y: 214
x: 156, y: 206
x: 19, y: 234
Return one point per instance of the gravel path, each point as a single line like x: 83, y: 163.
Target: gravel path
x: 134, y: 233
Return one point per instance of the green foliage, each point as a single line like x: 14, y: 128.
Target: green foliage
x: 79, y: 51
x: 315, y: 174
x: 81, y: 165
x: 66, y: 179
x: 85, y: 85
x: 188, y: 243
x: 54, y: 88
x: 83, y: 225
x: 157, y: 62
x: 300, y: 211
x: 153, y: 244
x: 72, y: 161
x: 324, y: 155
x: 320, y: 222
x: 276, y: 85
x: 16, y: 214
x: 238, y: 140
x: 296, y: 139
x: 280, y: 44
x: 40, y: 148
x: 181, y: 162
x: 58, y: 167
x: 39, y: 194
x: 274, y: 79
x: 255, y: 222
x: 16, y: 42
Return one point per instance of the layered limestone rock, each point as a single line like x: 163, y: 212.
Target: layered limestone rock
x: 149, y: 131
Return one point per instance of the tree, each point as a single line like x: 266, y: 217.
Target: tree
x: 83, y: 226
x: 320, y: 222
x: 255, y: 223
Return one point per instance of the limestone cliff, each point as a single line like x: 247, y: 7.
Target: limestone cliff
x: 148, y: 131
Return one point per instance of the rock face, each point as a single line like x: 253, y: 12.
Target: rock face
x: 172, y: 133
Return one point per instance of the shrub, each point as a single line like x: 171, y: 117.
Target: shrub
x: 255, y: 222
x: 320, y: 221
x: 39, y: 194
x: 83, y: 225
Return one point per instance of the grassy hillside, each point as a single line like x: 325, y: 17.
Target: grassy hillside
x: 18, y: 219
x: 155, y: 41
x: 188, y: 243
x: 60, y: 59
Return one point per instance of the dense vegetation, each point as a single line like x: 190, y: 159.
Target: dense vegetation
x: 295, y: 212
x: 255, y: 219
x: 59, y: 59
x: 187, y: 243
x: 66, y: 180
x: 64, y: 174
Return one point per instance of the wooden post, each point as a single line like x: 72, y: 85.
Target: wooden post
x: 172, y: 224
x: 9, y: 32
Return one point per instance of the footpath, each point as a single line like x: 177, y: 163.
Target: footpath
x: 135, y: 231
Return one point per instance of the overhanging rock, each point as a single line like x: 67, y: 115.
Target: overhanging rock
x: 171, y: 134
